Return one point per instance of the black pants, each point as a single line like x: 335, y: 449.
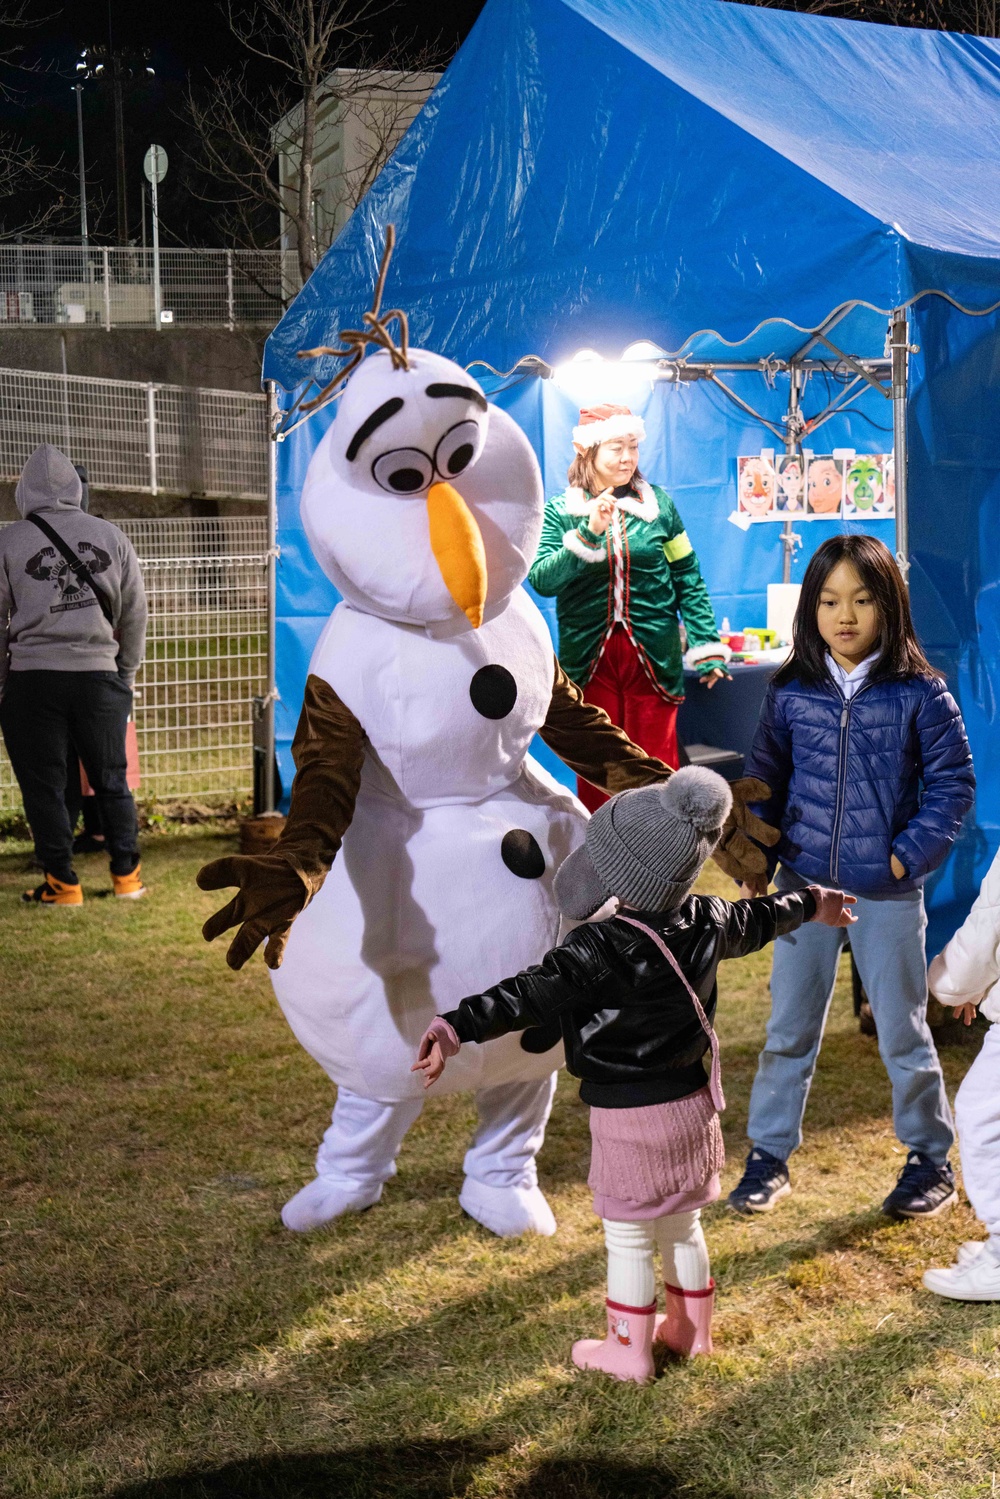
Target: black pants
x: 77, y: 803
x: 41, y: 713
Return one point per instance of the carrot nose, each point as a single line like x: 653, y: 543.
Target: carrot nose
x: 457, y: 544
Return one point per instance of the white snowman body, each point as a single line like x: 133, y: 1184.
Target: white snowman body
x: 443, y: 885
x: 420, y: 908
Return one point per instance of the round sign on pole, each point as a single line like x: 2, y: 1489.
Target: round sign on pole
x: 155, y: 164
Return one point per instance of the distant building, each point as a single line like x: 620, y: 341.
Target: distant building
x: 357, y: 128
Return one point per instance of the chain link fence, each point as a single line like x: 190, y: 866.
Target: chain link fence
x: 113, y: 287
x: 160, y: 439
x: 206, y: 658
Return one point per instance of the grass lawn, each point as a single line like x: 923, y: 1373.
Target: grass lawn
x: 164, y: 1335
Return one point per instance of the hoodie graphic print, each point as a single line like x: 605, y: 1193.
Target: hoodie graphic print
x: 49, y: 565
x: 50, y: 618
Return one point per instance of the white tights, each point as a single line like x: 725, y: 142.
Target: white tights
x: 681, y: 1243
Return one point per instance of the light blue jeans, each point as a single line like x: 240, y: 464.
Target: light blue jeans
x: 888, y: 947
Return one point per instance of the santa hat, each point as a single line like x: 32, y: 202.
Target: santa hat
x: 601, y: 423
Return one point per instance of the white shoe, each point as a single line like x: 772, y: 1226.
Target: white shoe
x: 508, y: 1212
x: 322, y: 1200
x: 977, y: 1280
x: 969, y: 1251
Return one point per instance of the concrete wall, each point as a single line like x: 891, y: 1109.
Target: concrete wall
x: 210, y: 357
x: 184, y: 355
x: 112, y: 504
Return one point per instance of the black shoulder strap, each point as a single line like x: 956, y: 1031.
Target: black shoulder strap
x: 78, y: 565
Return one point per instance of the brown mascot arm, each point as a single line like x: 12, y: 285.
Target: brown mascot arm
x: 586, y: 740
x: 328, y: 751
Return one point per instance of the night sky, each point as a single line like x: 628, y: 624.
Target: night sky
x: 185, y: 38
x: 190, y: 40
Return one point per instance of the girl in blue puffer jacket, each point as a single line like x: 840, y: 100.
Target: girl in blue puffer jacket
x: 865, y: 752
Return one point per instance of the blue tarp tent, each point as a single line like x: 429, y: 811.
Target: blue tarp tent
x: 721, y: 181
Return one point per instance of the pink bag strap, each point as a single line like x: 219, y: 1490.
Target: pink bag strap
x: 715, y: 1082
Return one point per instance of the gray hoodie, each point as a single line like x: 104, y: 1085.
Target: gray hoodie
x: 49, y: 619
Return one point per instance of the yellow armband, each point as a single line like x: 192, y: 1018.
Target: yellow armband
x: 678, y: 547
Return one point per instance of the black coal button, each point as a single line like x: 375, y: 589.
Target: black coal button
x: 493, y: 691
x: 522, y: 855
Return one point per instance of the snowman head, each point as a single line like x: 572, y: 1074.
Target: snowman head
x: 422, y: 504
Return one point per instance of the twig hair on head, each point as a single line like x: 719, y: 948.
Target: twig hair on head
x: 375, y: 333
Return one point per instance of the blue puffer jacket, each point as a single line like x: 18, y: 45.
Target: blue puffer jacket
x: 889, y: 772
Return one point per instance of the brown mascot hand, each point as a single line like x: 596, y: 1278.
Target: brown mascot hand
x: 736, y: 855
x: 270, y: 897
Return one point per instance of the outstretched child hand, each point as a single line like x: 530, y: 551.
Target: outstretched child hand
x: 965, y: 1013
x: 833, y: 907
x: 437, y: 1044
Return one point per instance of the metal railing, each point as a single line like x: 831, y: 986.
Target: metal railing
x: 206, y: 658
x: 160, y: 439
x: 113, y: 287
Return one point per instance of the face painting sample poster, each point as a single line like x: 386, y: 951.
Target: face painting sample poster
x: 888, y: 505
x: 865, y: 486
x: 757, y: 487
x: 825, y: 485
x: 790, y: 469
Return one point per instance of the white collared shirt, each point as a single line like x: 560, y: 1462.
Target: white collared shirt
x: 850, y: 681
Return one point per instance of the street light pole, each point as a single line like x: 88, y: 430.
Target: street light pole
x: 85, y: 237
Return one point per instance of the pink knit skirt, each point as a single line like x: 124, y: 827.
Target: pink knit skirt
x: 663, y: 1158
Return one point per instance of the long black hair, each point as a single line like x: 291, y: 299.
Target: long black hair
x: 900, y: 652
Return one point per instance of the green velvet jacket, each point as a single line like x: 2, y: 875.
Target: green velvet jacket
x: 647, y: 567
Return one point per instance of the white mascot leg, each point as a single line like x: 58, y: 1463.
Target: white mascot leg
x: 501, y: 1188
x: 355, y: 1160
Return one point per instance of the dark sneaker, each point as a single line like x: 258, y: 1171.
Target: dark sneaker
x: 53, y: 892
x: 765, y: 1182
x: 89, y: 843
x: 923, y: 1189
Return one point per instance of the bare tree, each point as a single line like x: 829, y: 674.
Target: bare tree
x: 24, y: 176
x: 258, y: 148
x: 980, y: 17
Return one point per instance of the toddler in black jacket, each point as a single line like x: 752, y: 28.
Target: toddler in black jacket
x: 634, y: 996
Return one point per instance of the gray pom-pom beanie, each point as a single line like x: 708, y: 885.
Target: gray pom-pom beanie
x: 646, y: 846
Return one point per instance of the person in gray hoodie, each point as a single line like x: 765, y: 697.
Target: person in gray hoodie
x: 72, y: 636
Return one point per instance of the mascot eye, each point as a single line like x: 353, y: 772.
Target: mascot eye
x: 457, y: 449
x: 404, y: 471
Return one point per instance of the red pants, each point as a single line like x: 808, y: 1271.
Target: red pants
x: 621, y: 687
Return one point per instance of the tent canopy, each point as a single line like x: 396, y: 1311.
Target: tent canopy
x: 598, y: 171
x: 719, y: 180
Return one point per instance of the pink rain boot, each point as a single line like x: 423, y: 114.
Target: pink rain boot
x: 626, y: 1352
x: 687, y: 1327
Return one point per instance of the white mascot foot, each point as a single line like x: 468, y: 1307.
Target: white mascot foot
x: 508, y: 1212
x: 324, y: 1199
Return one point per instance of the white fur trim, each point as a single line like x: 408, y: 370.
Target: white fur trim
x: 577, y: 502
x: 711, y: 650
x: 646, y: 507
x: 574, y: 542
x: 620, y: 425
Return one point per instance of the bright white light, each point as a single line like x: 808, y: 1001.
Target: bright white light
x: 590, y: 380
x: 642, y: 350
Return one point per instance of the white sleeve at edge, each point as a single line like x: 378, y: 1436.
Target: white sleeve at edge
x: 969, y: 966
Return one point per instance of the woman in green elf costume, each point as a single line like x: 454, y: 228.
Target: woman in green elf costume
x: 615, y: 555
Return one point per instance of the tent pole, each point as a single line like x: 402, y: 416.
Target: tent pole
x: 269, y: 788
x: 793, y: 444
x: 900, y: 345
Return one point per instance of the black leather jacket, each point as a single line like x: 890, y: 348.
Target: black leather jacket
x: 629, y: 1028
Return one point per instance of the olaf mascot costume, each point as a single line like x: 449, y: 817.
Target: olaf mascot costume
x: 423, y: 506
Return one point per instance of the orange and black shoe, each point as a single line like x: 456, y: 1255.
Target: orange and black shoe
x: 53, y: 892
x: 129, y: 886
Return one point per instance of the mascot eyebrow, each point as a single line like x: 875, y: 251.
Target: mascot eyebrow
x: 463, y: 392
x: 372, y: 423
